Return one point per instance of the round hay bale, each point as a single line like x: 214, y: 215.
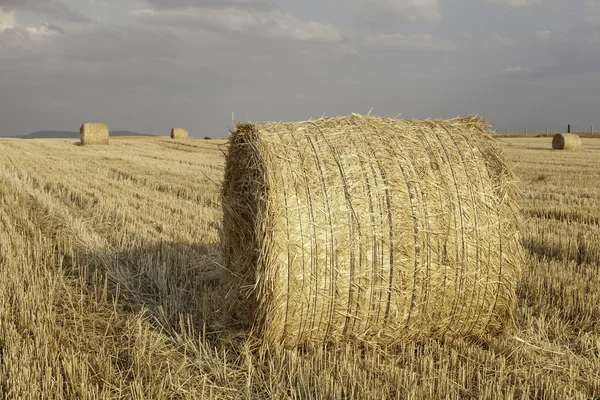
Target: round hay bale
x: 91, y: 134
x: 179, y: 133
x: 566, y: 141
x: 370, y: 229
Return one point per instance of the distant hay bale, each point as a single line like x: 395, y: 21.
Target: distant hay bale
x: 372, y: 229
x: 179, y: 133
x: 566, y: 141
x: 92, y: 134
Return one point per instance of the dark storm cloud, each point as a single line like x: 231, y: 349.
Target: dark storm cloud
x: 53, y: 9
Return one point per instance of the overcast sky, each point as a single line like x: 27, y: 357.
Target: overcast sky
x: 149, y: 65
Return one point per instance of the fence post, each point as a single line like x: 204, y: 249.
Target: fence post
x: 569, y: 128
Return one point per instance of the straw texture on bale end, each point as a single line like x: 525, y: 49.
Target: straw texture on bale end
x: 370, y: 229
x: 566, y: 141
x: 91, y: 134
x: 179, y: 133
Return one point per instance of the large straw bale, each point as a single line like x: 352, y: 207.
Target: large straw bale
x: 369, y: 228
x: 179, y: 133
x: 566, y: 141
x: 91, y: 134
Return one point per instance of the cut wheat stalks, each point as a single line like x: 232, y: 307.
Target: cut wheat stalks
x: 371, y: 229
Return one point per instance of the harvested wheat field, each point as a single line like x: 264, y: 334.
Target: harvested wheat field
x: 110, y: 287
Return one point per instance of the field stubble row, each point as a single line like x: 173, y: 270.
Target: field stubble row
x: 109, y: 269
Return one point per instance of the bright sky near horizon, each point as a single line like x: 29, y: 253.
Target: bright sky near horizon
x: 149, y: 65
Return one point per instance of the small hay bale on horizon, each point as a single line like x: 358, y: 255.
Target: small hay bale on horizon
x: 93, y: 133
x: 179, y: 133
x: 566, y: 141
x: 370, y: 229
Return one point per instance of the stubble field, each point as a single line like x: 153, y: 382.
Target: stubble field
x: 109, y: 287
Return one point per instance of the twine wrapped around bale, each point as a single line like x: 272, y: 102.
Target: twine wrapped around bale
x: 92, y: 134
x: 566, y: 141
x: 372, y: 229
x: 179, y: 133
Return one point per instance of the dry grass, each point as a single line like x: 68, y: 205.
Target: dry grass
x: 92, y: 134
x: 371, y: 229
x: 108, y: 287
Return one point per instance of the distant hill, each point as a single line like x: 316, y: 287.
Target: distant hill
x: 72, y: 135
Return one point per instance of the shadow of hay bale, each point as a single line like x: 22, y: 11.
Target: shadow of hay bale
x: 171, y: 281
x: 566, y: 249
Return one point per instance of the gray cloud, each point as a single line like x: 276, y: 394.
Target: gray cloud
x: 414, y: 42
x: 499, y: 42
x: 191, y: 63
x: 576, y: 51
x: 269, y: 24
x: 515, y: 3
x: 544, y: 34
x: 148, y: 78
x: 375, y: 10
x: 13, y: 38
x: 52, y: 28
x: 570, y: 61
x: 393, y: 16
x: 259, y: 5
x: 53, y: 9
